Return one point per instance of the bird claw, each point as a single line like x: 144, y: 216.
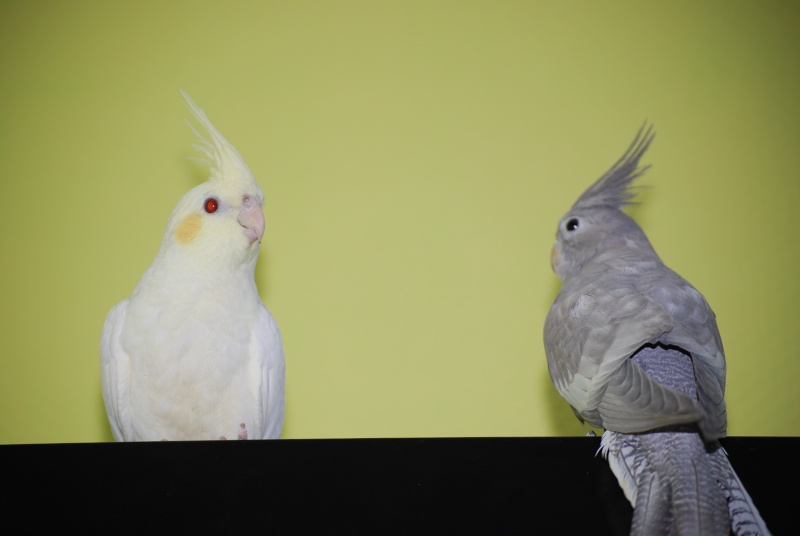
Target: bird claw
x: 242, y: 434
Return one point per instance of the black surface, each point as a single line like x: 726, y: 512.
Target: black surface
x: 347, y: 486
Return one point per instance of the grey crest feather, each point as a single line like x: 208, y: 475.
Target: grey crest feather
x: 613, y: 189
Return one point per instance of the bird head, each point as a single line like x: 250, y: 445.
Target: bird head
x: 596, y: 222
x: 222, y: 218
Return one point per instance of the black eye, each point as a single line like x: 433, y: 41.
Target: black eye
x: 211, y: 205
x: 572, y: 224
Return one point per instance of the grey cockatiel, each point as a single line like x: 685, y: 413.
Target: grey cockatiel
x: 635, y: 349
x: 194, y: 354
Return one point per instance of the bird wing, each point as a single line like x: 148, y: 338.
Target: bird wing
x: 695, y: 331
x: 116, y: 374
x: 266, y: 376
x: 589, y: 341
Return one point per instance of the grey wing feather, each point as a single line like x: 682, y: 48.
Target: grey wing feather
x: 116, y: 374
x: 695, y: 331
x: 588, y: 343
x: 634, y: 402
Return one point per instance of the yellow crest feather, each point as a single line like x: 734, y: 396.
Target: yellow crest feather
x: 223, y: 159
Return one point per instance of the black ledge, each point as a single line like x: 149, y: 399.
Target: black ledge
x: 352, y: 486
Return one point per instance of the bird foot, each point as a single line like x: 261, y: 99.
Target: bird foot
x: 242, y: 434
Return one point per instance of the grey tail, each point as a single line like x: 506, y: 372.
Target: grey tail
x: 745, y: 519
x: 679, y: 485
x: 613, y: 189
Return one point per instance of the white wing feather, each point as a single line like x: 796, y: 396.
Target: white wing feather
x: 116, y: 374
x: 266, y: 377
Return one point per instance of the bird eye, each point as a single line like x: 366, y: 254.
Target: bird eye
x: 572, y: 224
x: 210, y: 205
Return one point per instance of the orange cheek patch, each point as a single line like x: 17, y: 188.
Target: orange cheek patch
x: 188, y: 228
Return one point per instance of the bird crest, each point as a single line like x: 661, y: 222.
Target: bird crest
x: 223, y: 159
x: 613, y: 189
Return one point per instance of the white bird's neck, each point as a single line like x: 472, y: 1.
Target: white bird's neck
x: 182, y: 273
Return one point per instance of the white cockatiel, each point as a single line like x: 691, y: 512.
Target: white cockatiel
x: 635, y: 349
x: 194, y: 354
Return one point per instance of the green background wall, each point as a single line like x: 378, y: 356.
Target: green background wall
x: 416, y: 157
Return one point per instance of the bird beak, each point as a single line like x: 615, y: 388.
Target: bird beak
x: 251, y: 217
x: 555, y: 257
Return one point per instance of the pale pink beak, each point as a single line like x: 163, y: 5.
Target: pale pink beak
x: 555, y: 259
x: 251, y: 218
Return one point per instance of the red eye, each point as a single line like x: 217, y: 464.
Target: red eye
x: 211, y: 205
